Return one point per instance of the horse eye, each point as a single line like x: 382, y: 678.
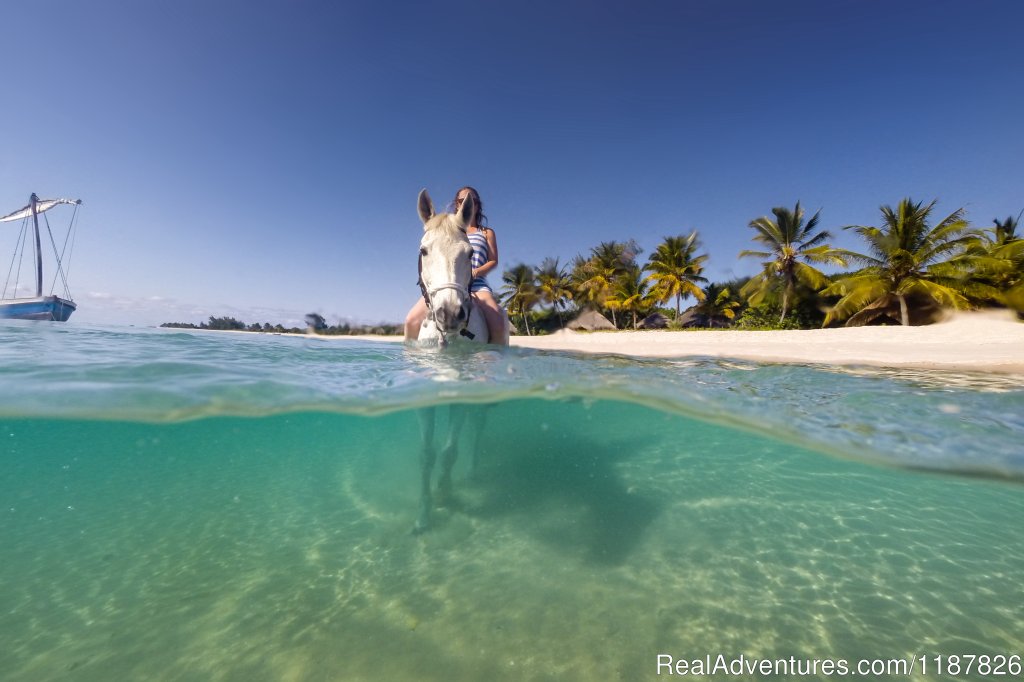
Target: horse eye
x: 423, y: 251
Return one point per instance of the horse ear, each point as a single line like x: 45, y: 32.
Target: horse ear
x: 466, y: 211
x: 425, y: 206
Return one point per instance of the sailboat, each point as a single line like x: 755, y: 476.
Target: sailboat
x: 38, y: 307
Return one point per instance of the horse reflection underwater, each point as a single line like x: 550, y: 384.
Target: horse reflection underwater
x: 445, y: 273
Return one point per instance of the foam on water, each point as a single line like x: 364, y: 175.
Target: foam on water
x: 179, y: 506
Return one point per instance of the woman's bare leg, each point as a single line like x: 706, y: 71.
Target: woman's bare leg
x: 414, y: 320
x: 492, y: 314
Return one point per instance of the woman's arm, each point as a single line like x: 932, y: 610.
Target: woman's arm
x: 492, y: 247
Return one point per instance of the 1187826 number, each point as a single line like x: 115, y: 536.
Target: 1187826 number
x: 980, y: 664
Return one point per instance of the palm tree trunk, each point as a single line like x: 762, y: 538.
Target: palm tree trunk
x: 526, y: 323
x: 904, y: 313
x: 785, y: 297
x: 679, y: 300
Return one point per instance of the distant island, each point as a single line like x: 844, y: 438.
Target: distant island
x: 314, y: 323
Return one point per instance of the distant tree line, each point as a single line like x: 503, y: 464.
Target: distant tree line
x: 314, y: 321
x: 912, y: 267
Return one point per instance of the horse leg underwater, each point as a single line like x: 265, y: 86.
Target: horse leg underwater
x: 459, y: 418
x: 427, y: 417
x: 428, y: 457
x: 450, y: 453
x: 477, y: 416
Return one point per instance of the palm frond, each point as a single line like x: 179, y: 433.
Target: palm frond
x: 810, y: 277
x: 857, y: 293
x: 816, y: 240
x: 826, y: 255
x: 943, y: 295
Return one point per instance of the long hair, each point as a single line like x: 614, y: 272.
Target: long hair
x: 480, y: 219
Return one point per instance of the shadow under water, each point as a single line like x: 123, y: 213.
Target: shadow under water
x: 568, y: 495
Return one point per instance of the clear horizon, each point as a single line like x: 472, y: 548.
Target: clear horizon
x: 262, y: 162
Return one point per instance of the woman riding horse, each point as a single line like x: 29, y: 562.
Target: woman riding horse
x: 484, y: 259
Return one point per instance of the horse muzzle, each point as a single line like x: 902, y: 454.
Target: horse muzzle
x: 452, y: 319
x: 449, y: 306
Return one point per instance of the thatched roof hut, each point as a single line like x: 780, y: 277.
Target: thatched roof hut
x: 692, y: 317
x: 653, y: 321
x: 590, y: 320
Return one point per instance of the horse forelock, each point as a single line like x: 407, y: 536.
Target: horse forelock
x: 443, y: 235
x: 443, y: 224
x: 443, y: 230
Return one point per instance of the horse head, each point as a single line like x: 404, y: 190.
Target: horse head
x: 445, y: 269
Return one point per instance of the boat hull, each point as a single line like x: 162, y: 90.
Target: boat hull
x: 52, y: 308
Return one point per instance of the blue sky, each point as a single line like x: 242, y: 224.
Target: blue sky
x: 262, y: 159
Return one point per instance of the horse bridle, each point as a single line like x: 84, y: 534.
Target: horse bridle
x: 428, y: 295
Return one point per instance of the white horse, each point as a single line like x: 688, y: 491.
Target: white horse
x: 444, y: 277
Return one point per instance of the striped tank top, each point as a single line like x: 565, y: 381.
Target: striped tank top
x: 481, y: 254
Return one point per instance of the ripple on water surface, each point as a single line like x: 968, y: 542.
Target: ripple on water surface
x: 971, y: 423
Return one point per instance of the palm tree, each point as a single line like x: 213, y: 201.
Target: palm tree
x: 1003, y: 263
x: 630, y: 293
x: 906, y: 258
x: 590, y: 285
x: 1013, y: 292
x: 520, y: 293
x: 791, y: 245
x: 594, y: 278
x: 616, y: 255
x: 553, y: 286
x: 717, y: 308
x: 675, y: 270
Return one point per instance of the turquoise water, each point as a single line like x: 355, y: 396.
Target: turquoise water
x: 188, y: 506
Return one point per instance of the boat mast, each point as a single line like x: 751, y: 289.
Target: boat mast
x: 39, y: 249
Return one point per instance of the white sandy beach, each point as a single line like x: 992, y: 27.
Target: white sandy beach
x: 986, y: 341
x: 991, y: 341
